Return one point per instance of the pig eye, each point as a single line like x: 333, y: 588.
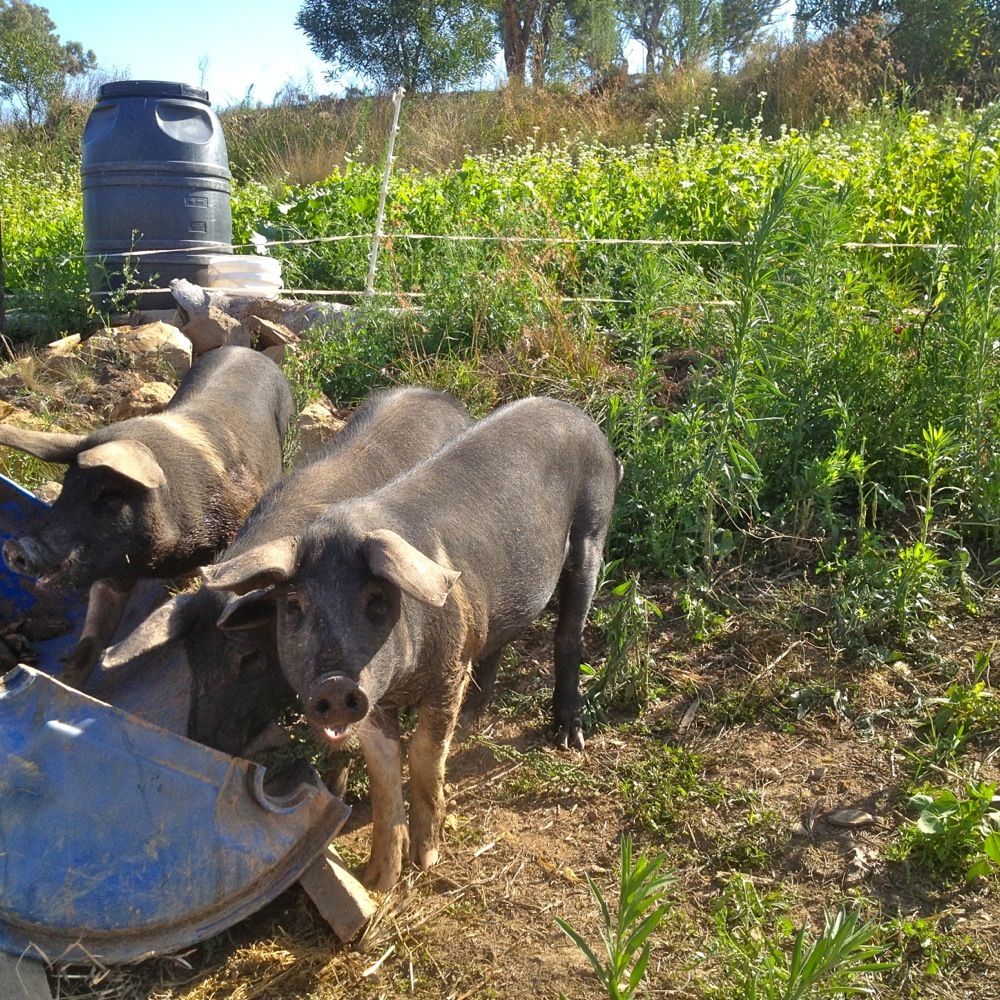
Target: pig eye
x: 293, y: 605
x: 111, y: 495
x: 376, y: 607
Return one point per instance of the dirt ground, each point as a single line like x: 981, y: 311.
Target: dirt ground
x: 524, y: 830
x: 755, y: 738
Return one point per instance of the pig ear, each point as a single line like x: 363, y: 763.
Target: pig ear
x: 131, y: 459
x: 49, y: 446
x: 395, y: 559
x: 249, y: 610
x: 263, y: 566
x: 170, y: 621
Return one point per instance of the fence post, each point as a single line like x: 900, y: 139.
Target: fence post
x: 3, y: 314
x: 397, y: 100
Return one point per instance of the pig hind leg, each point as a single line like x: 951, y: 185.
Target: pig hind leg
x: 576, y: 591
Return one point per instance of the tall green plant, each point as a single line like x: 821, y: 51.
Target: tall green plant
x: 625, y: 931
x: 736, y: 400
x: 837, y: 962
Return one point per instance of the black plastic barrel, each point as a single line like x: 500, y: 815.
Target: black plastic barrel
x: 156, y: 177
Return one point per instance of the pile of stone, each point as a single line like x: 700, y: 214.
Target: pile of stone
x: 164, y: 343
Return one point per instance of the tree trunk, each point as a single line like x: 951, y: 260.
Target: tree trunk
x: 517, y: 30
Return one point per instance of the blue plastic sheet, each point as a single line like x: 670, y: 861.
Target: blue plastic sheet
x: 118, y: 838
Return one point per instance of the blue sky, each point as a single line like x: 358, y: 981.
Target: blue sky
x: 226, y: 46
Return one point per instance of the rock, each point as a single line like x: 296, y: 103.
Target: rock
x: 296, y: 316
x: 48, y: 492
x: 192, y: 300
x: 66, y: 345
x: 149, y: 398
x: 152, y: 348
x: 10, y: 414
x: 276, y: 354
x: 214, y: 328
x: 340, y: 898
x: 317, y: 425
x: 850, y: 819
x: 157, y: 345
x: 771, y: 774
x: 815, y: 774
x: 61, y: 356
x: 269, y: 334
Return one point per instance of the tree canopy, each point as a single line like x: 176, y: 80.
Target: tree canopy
x: 419, y: 44
x: 34, y: 64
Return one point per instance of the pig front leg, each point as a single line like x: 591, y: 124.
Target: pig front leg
x: 105, y: 607
x: 379, y: 739
x: 428, y: 753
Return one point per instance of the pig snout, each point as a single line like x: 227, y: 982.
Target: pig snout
x: 26, y: 557
x: 335, y: 702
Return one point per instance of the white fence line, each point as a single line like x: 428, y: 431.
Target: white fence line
x: 377, y: 237
x: 469, y: 238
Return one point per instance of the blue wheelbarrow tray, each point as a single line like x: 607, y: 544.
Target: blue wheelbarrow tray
x: 119, y: 838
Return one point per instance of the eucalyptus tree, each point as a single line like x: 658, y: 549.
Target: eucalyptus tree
x: 34, y: 64
x: 682, y: 33
x: 419, y: 44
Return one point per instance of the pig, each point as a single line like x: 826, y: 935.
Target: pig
x: 154, y: 496
x: 386, y: 601
x: 237, y: 686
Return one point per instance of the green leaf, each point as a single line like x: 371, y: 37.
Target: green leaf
x: 991, y: 847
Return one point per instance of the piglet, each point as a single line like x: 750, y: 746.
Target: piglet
x: 237, y: 686
x: 386, y: 601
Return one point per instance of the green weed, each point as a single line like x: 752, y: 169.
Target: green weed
x: 657, y: 787
x: 538, y: 771
x: 953, y: 834
x: 964, y: 713
x: 837, y: 962
x: 625, y: 931
x: 625, y: 679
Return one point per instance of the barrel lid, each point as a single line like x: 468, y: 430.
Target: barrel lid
x: 152, y: 88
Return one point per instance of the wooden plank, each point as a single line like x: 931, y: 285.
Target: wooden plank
x: 23, y: 978
x: 341, y: 899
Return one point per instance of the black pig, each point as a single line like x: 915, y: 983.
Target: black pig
x: 238, y: 688
x: 154, y: 496
x: 385, y: 601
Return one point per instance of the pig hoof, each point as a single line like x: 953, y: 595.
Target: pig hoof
x: 426, y: 858
x: 377, y: 880
x: 570, y: 738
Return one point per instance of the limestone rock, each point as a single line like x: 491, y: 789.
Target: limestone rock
x: 214, y: 328
x: 850, y: 819
x: 154, y: 348
x: 48, y: 492
x: 61, y: 356
x: 10, y: 414
x: 269, y: 334
x: 340, y: 898
x: 317, y: 425
x: 149, y: 398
